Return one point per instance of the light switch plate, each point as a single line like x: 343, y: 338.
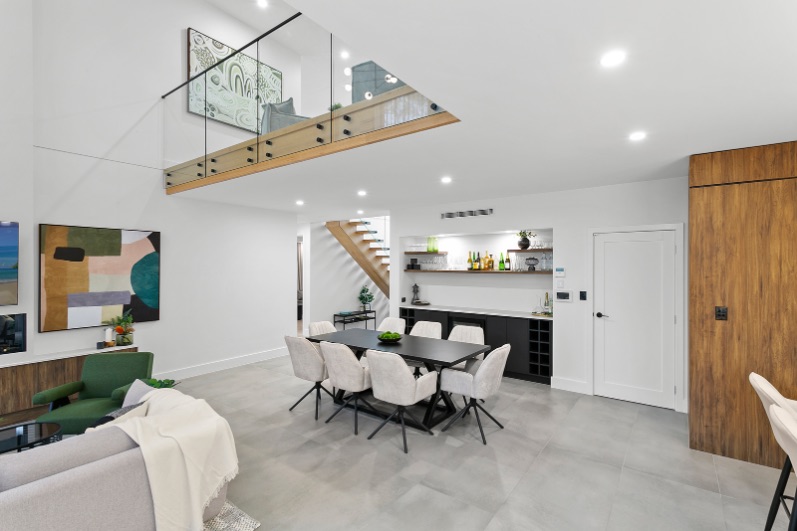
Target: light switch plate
x: 560, y: 283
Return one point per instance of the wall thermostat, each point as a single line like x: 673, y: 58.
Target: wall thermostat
x: 563, y: 296
x: 559, y: 272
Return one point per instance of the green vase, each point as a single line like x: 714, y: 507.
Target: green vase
x: 124, y: 339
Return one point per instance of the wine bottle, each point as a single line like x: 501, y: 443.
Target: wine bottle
x: 486, y: 262
x: 470, y: 261
x: 507, y: 263
x: 501, y: 262
x: 477, y: 265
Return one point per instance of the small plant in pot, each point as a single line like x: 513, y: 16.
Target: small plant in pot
x: 524, y: 243
x: 123, y: 326
x: 366, y: 298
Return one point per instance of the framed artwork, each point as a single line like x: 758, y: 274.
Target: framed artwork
x: 9, y: 263
x: 13, y: 334
x: 89, y: 275
x: 233, y: 91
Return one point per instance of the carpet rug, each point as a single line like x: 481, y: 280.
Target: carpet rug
x: 231, y: 518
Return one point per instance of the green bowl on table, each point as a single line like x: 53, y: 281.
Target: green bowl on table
x: 389, y: 337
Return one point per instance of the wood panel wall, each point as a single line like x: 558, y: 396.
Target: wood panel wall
x: 19, y: 383
x: 743, y: 255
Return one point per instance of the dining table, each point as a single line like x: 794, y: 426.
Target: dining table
x: 434, y: 354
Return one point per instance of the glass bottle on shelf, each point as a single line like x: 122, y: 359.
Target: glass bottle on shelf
x: 501, y: 262
x: 507, y: 263
x: 477, y: 265
x: 470, y: 261
x: 492, y: 263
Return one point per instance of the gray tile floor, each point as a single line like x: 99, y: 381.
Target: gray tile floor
x: 565, y: 461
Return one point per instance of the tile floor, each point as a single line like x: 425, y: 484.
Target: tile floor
x: 564, y: 462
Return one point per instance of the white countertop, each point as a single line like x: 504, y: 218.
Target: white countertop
x: 480, y: 311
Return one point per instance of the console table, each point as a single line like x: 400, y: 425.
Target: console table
x: 357, y: 316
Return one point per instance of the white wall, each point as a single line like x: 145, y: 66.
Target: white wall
x: 336, y: 280
x: 571, y: 214
x: 99, y: 69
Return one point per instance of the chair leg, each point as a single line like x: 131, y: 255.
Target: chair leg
x: 456, y: 417
x: 793, y: 519
x: 383, y: 424
x: 356, y: 398
x: 317, y: 399
x: 481, y: 430
x: 340, y: 408
x: 303, y: 397
x: 404, y: 430
x: 417, y: 372
x: 327, y: 392
x: 779, y: 490
x: 486, y: 413
x: 408, y: 412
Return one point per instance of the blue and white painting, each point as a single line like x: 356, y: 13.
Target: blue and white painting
x: 9, y: 263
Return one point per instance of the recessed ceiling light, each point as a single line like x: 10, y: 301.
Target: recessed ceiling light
x: 360, y: 212
x: 636, y: 136
x: 347, y: 71
x: 445, y: 180
x: 262, y: 4
x: 368, y: 95
x: 300, y: 202
x: 362, y: 193
x: 613, y: 58
x: 347, y: 87
x: 344, y: 54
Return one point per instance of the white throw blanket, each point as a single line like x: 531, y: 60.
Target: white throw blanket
x: 189, y: 452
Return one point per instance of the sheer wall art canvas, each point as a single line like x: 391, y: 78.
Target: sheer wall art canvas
x: 90, y: 275
x: 9, y: 263
x: 233, y: 91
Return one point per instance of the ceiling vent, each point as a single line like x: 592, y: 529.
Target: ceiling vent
x: 467, y: 213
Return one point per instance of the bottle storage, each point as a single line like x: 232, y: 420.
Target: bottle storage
x: 540, y: 348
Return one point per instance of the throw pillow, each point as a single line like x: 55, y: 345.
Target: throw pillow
x: 113, y: 415
x: 283, y: 107
x: 135, y: 393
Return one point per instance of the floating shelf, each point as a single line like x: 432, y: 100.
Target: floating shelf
x: 426, y: 252
x: 480, y: 272
x: 545, y: 250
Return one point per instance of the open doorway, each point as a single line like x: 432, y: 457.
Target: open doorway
x: 299, y: 288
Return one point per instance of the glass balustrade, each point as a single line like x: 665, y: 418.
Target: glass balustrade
x: 295, y: 88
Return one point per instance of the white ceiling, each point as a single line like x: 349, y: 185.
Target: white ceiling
x: 538, y: 112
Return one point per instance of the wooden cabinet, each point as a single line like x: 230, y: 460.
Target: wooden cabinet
x: 743, y: 257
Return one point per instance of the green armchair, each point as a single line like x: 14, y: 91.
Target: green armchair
x: 103, y: 383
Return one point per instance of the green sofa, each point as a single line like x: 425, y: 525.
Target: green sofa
x: 103, y: 383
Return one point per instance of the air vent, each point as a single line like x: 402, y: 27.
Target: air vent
x: 467, y: 213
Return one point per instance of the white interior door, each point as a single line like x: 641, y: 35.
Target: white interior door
x: 634, y: 316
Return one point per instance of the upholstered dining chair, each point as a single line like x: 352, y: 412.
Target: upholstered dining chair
x: 481, y: 384
x: 429, y: 329
x: 393, y: 324
x: 769, y: 395
x: 784, y: 426
x: 104, y: 381
x: 308, y: 364
x: 394, y: 383
x: 348, y: 373
x: 322, y: 327
x: 467, y: 334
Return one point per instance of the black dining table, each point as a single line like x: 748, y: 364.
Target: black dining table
x: 435, y: 354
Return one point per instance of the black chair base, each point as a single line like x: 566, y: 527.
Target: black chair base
x: 401, y: 411
x: 473, y: 404
x: 780, y: 499
x: 357, y: 398
x: 317, y: 388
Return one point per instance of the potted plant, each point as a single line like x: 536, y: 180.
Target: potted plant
x: 366, y: 298
x: 524, y: 243
x: 123, y: 326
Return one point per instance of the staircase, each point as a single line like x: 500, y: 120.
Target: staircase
x: 367, y: 248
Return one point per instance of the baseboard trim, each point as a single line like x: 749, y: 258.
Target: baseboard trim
x: 220, y: 365
x: 574, y: 386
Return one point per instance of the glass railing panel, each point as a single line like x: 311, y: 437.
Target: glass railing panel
x: 184, y: 135
x: 370, y: 96
x: 295, y: 72
x: 230, y: 103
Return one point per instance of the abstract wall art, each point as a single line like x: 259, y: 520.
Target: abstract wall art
x: 9, y: 263
x: 233, y: 91
x: 89, y: 275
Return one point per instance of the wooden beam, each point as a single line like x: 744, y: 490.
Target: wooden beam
x: 406, y: 128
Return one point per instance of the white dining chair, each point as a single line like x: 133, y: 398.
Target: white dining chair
x: 482, y: 384
x: 394, y: 383
x: 467, y: 334
x: 428, y: 329
x: 322, y: 327
x: 308, y: 364
x: 348, y: 373
x: 393, y: 324
x: 769, y: 395
x: 784, y: 426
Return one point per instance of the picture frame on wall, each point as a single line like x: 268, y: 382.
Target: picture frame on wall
x: 9, y: 263
x: 89, y: 275
x: 233, y: 91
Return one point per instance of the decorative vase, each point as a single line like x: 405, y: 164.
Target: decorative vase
x: 523, y: 243
x: 124, y: 339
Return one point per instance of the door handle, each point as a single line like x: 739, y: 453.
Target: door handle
x: 599, y: 315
